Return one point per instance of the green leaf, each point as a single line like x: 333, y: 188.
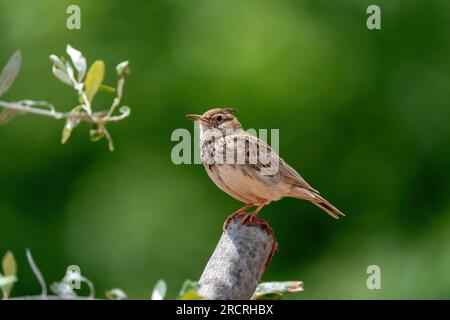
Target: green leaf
x: 9, y: 266
x: 94, y: 78
x: 123, y: 68
x: 70, y: 125
x: 7, y: 115
x: 4, y: 281
x: 267, y: 290
x: 106, y: 88
x: 78, y: 61
x: 10, y: 72
x: 62, y: 70
x: 159, y: 291
x: 96, y: 133
x: 191, y: 295
x: 57, y: 61
x: 61, y: 74
x: 116, y: 294
x: 70, y: 72
x: 188, y: 285
x: 269, y: 296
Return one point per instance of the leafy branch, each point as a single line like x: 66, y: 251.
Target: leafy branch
x: 86, y: 83
x: 65, y: 289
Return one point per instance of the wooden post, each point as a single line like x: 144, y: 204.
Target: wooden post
x: 238, y: 262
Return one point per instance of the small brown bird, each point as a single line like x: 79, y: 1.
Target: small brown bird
x: 247, y: 169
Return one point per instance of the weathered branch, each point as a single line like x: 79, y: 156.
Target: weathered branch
x: 96, y: 117
x: 238, y: 262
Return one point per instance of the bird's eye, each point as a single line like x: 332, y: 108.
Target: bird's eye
x: 219, y: 118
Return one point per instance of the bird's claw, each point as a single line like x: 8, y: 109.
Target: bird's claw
x: 248, y: 219
x: 230, y: 218
x: 245, y: 219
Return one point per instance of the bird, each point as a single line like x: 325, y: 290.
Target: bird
x: 247, y: 169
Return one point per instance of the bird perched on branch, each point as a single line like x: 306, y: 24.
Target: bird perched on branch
x: 247, y: 169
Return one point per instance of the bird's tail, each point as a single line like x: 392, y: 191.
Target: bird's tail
x: 314, y: 197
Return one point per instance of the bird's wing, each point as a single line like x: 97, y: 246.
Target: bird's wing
x: 265, y: 156
x: 248, y: 149
x: 289, y: 175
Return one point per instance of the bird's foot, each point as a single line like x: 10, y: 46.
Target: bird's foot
x: 238, y: 213
x: 248, y: 219
x: 231, y: 217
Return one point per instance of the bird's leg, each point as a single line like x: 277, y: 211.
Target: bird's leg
x: 235, y: 214
x: 249, y: 219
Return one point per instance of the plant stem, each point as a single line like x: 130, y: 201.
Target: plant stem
x: 97, y: 117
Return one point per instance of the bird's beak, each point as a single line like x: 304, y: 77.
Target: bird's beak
x: 194, y: 117
x: 199, y: 119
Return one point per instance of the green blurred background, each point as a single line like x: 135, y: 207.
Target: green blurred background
x: 363, y: 116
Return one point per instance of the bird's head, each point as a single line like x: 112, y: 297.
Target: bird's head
x: 218, y: 118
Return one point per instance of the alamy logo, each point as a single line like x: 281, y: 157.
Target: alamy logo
x: 374, y: 280
x: 73, y: 21
x: 231, y: 147
x: 374, y: 20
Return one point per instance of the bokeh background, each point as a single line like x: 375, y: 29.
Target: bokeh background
x: 363, y: 115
